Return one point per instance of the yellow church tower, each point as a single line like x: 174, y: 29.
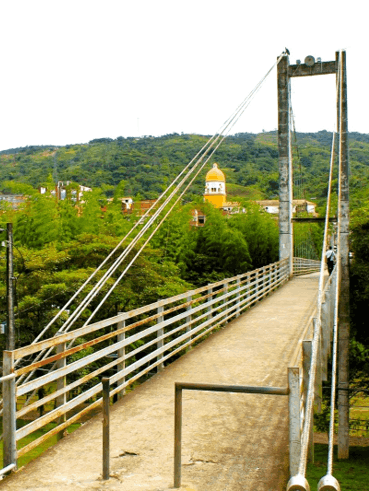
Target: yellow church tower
x: 215, y: 190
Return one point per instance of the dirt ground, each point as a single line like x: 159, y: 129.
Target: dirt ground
x: 231, y: 442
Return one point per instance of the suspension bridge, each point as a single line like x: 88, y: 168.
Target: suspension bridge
x: 237, y: 407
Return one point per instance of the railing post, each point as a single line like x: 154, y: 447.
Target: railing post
x: 225, y: 293
x: 160, y: 342
x: 106, y: 428
x: 270, y: 270
x: 294, y: 419
x: 60, y: 384
x: 9, y: 412
x: 210, y: 308
x: 177, y: 436
x: 238, y: 297
x: 306, y: 361
x: 248, y: 290
x: 256, y: 286
x: 189, y: 319
x: 121, y: 353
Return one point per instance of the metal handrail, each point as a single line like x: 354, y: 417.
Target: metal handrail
x: 303, y: 266
x: 180, y: 386
x: 132, y: 344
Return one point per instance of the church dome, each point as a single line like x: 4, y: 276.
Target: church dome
x: 215, y: 174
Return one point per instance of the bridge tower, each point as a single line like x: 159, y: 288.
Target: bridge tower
x: 284, y: 75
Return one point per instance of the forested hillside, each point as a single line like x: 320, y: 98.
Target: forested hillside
x: 146, y: 165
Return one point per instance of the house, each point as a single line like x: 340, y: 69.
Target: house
x: 298, y: 205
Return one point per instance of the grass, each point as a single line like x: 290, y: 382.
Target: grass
x: 352, y: 474
x: 36, y: 434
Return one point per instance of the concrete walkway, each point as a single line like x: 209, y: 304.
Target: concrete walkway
x: 231, y: 442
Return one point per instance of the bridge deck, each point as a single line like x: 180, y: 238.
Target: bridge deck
x: 230, y: 441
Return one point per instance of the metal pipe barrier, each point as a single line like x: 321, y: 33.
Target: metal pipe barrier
x: 125, y: 347
x: 180, y: 386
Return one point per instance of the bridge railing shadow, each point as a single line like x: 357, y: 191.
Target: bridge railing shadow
x: 127, y: 348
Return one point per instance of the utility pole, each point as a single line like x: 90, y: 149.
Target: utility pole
x: 10, y: 338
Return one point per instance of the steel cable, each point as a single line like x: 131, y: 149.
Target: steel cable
x: 226, y: 127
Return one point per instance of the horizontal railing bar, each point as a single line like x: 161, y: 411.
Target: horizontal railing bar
x: 155, y: 353
x: 61, y: 372
x: 6, y: 469
x: 7, y: 377
x: 24, y: 431
x: 66, y: 389
x: 57, y: 429
x: 247, y: 389
x: 62, y: 338
x: 34, y: 384
x: 276, y: 274
x: 52, y: 415
x: 95, y: 389
x: 166, y: 357
x: 107, y: 336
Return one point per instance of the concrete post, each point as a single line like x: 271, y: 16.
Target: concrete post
x: 294, y: 419
x: 121, y: 354
x: 344, y: 302
x: 9, y: 412
x: 285, y: 164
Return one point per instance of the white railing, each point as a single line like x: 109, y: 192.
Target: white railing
x: 305, y: 266
x: 125, y: 348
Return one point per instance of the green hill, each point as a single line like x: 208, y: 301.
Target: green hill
x: 148, y: 164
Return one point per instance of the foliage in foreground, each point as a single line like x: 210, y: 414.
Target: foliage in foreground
x: 59, y: 244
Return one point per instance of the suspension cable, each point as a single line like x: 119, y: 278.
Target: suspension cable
x: 227, y: 126
x: 337, y: 292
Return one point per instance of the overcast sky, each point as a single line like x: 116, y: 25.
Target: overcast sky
x: 74, y: 70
